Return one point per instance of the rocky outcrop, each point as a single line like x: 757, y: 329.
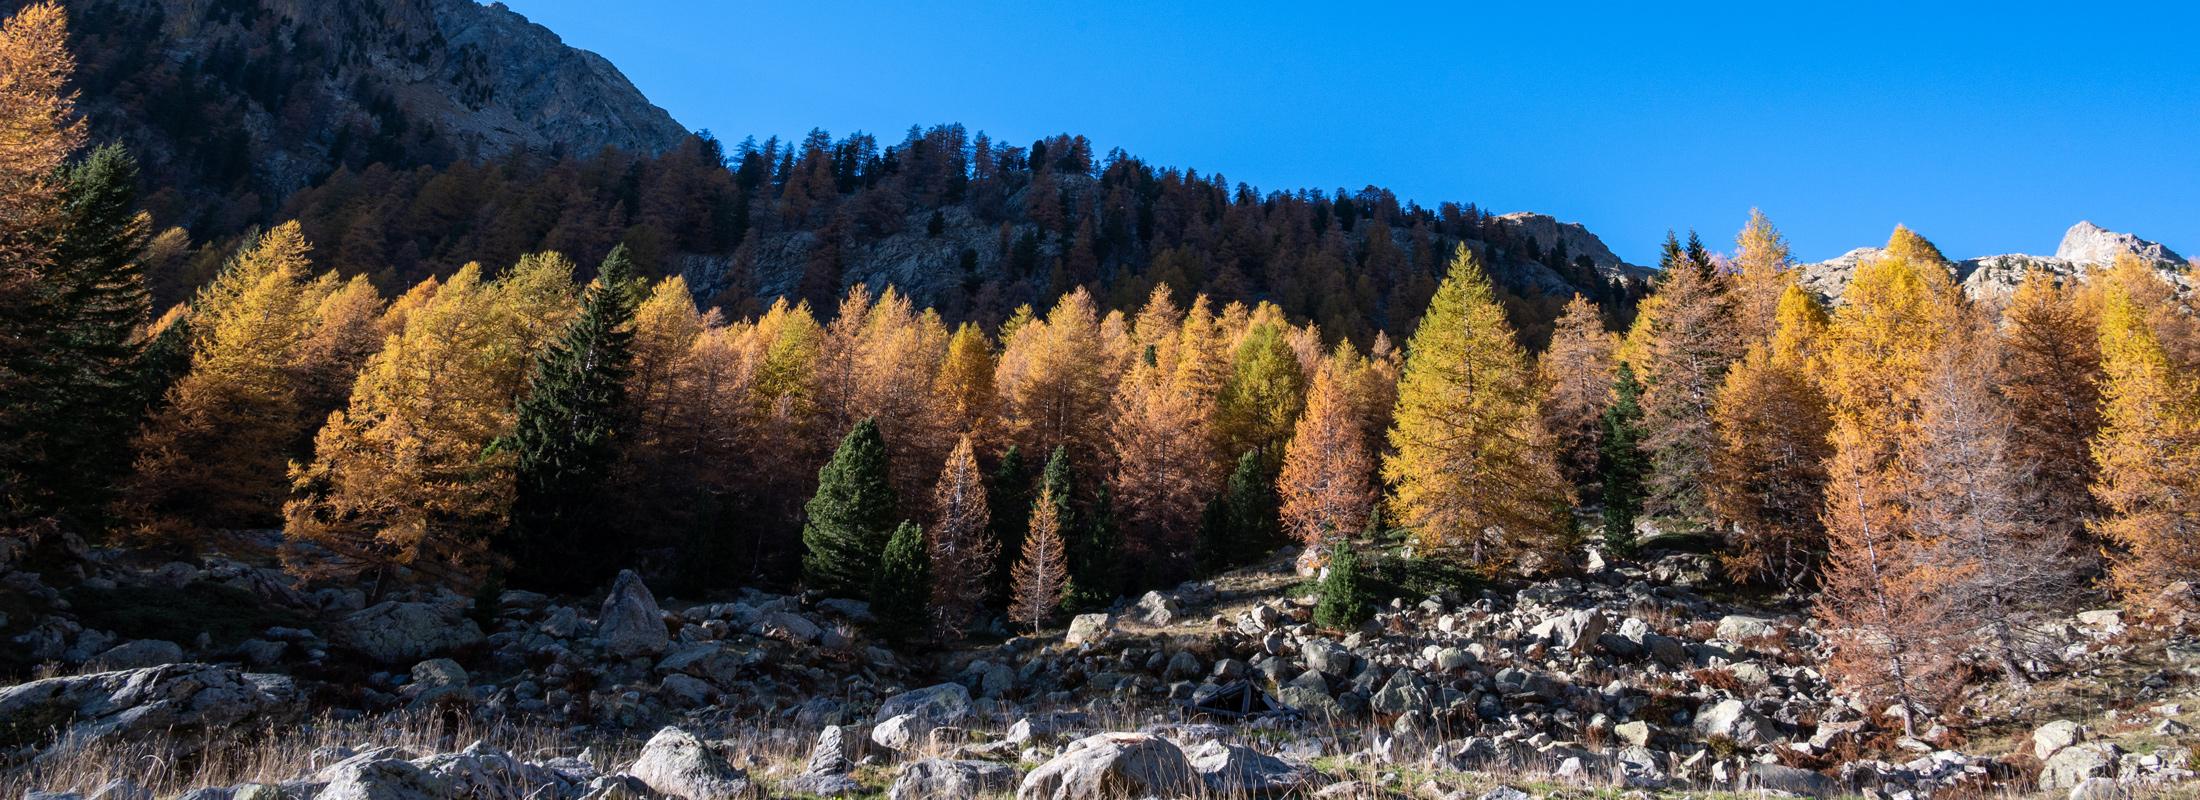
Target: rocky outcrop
x: 2086, y: 248
x: 168, y: 698
x: 1548, y: 232
x: 404, y: 82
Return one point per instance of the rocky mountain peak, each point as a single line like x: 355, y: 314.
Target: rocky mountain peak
x: 2092, y: 245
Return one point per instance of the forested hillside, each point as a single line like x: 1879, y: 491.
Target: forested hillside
x: 950, y: 393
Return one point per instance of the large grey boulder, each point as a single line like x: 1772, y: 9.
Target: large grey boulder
x: 630, y: 623
x: 1577, y: 631
x: 1111, y: 766
x: 1231, y: 770
x: 676, y: 763
x: 402, y: 632
x: 2052, y: 737
x: 1085, y: 628
x: 382, y: 777
x: 1732, y: 719
x: 720, y: 663
x: 1739, y: 627
x: 943, y: 704
x: 168, y: 698
x: 2074, y: 764
x: 941, y: 779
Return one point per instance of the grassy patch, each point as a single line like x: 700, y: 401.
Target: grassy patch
x: 225, y: 614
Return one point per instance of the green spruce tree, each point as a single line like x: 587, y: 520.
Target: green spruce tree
x: 1621, y: 462
x: 100, y: 303
x: 901, y: 592
x: 1244, y: 523
x: 1009, y: 491
x: 851, y: 517
x: 566, y: 441
x: 1344, y: 603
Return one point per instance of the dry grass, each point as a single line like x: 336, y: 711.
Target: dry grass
x: 168, y: 764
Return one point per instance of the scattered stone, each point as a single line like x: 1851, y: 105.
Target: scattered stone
x: 943, y: 704
x: 2052, y: 737
x: 138, y: 654
x: 1236, y: 771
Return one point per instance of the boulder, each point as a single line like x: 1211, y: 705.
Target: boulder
x: 826, y: 774
x: 2098, y: 789
x: 1732, y: 719
x: 676, y: 763
x: 400, y: 632
x: 1156, y: 609
x: 381, y: 777
x: 2074, y: 764
x: 898, y: 733
x: 2052, y: 737
x: 167, y: 698
x: 490, y: 774
x: 942, y: 779
x: 720, y: 663
x: 1738, y: 627
x: 943, y: 704
x: 630, y: 623
x: 1576, y: 631
x: 1111, y: 766
x: 1636, y: 733
x: 138, y: 654
x: 1085, y: 628
x: 1237, y: 771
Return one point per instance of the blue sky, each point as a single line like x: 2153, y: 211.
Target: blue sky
x: 1988, y: 127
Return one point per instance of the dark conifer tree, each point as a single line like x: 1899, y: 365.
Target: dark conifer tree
x: 851, y: 517
x: 1621, y: 462
x: 1244, y: 522
x: 565, y: 441
x: 901, y: 591
x: 99, y: 303
x: 1009, y: 491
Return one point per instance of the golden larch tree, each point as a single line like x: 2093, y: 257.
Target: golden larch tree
x: 1165, y: 469
x: 961, y: 544
x: 1053, y: 385
x: 1327, y: 484
x: 1471, y: 469
x: 2050, y: 373
x: 405, y: 475
x: 1769, y: 474
x: 2148, y: 456
x: 1760, y: 278
x: 1041, y: 575
x: 1890, y: 633
x: 1576, y: 373
x: 215, y: 454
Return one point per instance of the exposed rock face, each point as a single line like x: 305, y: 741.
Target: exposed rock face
x: 1548, y: 231
x: 407, y: 82
x: 181, y: 697
x: 2090, y: 244
x: 2086, y: 249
